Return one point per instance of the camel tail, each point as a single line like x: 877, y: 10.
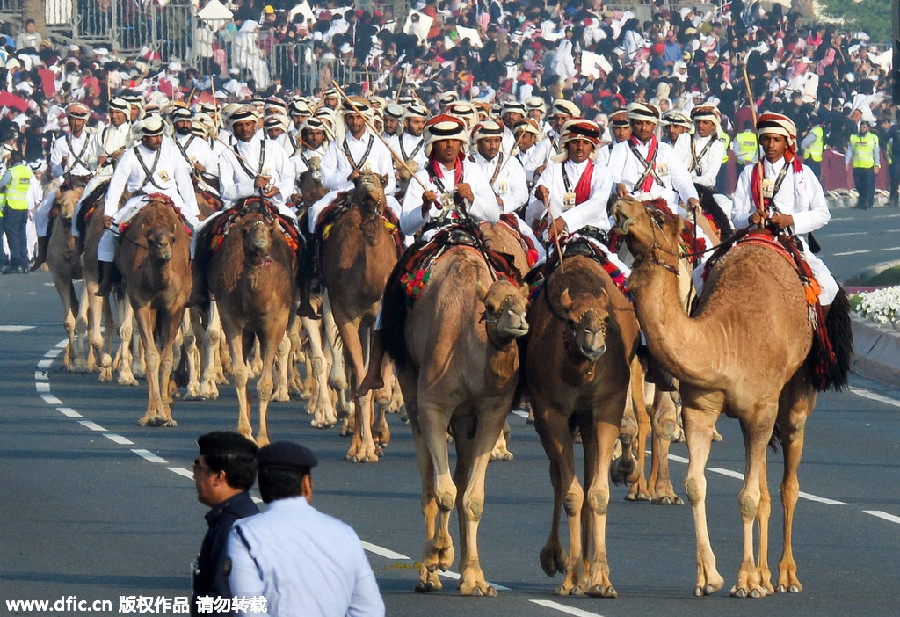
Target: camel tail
x: 830, y: 358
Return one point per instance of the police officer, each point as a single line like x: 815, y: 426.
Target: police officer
x: 813, y: 146
x: 22, y: 192
x: 302, y: 561
x: 746, y: 146
x: 223, y: 475
x: 864, y: 155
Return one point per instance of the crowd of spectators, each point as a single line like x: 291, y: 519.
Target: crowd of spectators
x: 598, y: 57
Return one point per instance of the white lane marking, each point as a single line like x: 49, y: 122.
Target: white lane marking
x: 40, y: 376
x: 122, y: 441
x: 181, y: 471
x: 42, y: 386
x: 848, y: 253
x: 69, y: 412
x: 384, y: 552
x: 456, y: 576
x: 520, y: 413
x: 676, y: 458
x: 148, y: 455
x: 92, y: 425
x: 257, y: 501
x: 57, y: 349
x: 562, y: 608
x: 822, y: 500
x: 16, y: 328
x: 874, y: 396
x: 45, y: 363
x: 727, y: 472
x: 50, y: 399
x: 884, y: 515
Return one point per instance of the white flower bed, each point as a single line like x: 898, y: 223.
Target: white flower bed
x: 881, y: 306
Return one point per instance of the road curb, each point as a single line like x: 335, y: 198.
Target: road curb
x: 876, y: 351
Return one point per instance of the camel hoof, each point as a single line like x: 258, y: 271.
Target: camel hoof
x: 668, y: 501
x: 425, y: 587
x: 738, y: 593
x: 165, y: 422
x: 756, y: 594
x: 704, y: 591
x: 641, y: 496
x: 145, y: 421
x: 599, y: 591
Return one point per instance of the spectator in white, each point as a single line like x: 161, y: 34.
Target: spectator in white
x: 563, y: 59
x: 299, y: 112
x: 301, y: 561
x: 154, y: 166
x: 512, y: 114
x: 28, y: 44
x: 536, y: 109
x: 72, y: 162
x: 345, y: 158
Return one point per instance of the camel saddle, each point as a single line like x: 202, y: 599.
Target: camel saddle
x: 586, y: 242
x: 340, y: 205
x: 822, y: 356
x: 213, y: 235
x: 89, y: 205
x: 161, y: 197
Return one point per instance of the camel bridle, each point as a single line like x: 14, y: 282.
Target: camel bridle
x: 656, y: 247
x: 493, y: 338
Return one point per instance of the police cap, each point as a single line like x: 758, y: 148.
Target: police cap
x: 286, y: 454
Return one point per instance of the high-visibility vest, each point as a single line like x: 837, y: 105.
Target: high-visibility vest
x: 864, y: 150
x: 17, y: 191
x: 817, y: 148
x: 747, y: 147
x: 726, y: 141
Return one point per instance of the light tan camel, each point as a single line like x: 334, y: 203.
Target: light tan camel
x: 154, y: 260
x: 358, y: 254
x: 723, y: 364
x: 577, y: 369
x: 253, y: 277
x: 64, y: 265
x: 458, y: 363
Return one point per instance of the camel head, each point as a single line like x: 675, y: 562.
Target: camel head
x: 311, y: 182
x: 368, y: 193
x: 586, y: 319
x: 257, y: 231
x: 650, y: 231
x: 160, y: 243
x: 66, y: 201
x: 504, y: 311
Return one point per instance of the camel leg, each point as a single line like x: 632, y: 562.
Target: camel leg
x: 599, y: 434
x: 501, y: 452
x: 66, y: 290
x: 155, y: 403
x: 757, y: 429
x: 325, y: 413
x: 209, y: 354
x: 382, y: 397
x: 489, y: 425
x: 169, y: 325
x: 556, y: 438
x: 269, y: 344
x: 99, y: 311
x: 235, y: 337
x: 438, y: 553
x: 191, y: 333
x: 126, y: 336
x: 283, y: 353
x: 698, y: 427
x: 764, y: 512
x: 665, y: 424
x: 103, y: 339
x: 642, y: 403
x: 362, y: 448
x: 81, y: 327
x: 792, y: 419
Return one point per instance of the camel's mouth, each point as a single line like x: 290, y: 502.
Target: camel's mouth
x: 623, y: 221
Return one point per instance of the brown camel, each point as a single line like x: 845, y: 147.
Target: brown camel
x: 252, y: 275
x: 310, y: 183
x: 458, y: 363
x: 724, y: 365
x: 154, y: 260
x: 577, y: 369
x: 358, y: 254
x: 64, y: 265
x: 94, y: 311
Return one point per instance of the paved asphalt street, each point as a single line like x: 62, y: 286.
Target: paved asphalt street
x: 97, y: 508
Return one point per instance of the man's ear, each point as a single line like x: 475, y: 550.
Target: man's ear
x: 306, y: 488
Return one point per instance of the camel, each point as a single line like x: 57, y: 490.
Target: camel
x: 724, y: 365
x: 253, y: 277
x: 358, y: 254
x: 310, y: 183
x: 577, y: 369
x: 154, y: 260
x: 458, y: 360
x: 64, y: 265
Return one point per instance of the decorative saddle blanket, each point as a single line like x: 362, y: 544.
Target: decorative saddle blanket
x: 223, y: 224
x: 587, y: 242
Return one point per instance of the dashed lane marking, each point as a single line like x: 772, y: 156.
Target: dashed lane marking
x: 181, y: 471
x: 69, y: 412
x: 148, y: 455
x: 562, y: 608
x: 874, y: 396
x: 42, y: 386
x: 16, y: 328
x: 92, y: 425
x: 384, y: 552
x: 50, y: 399
x: 884, y: 515
x: 848, y: 253
x: 122, y: 441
